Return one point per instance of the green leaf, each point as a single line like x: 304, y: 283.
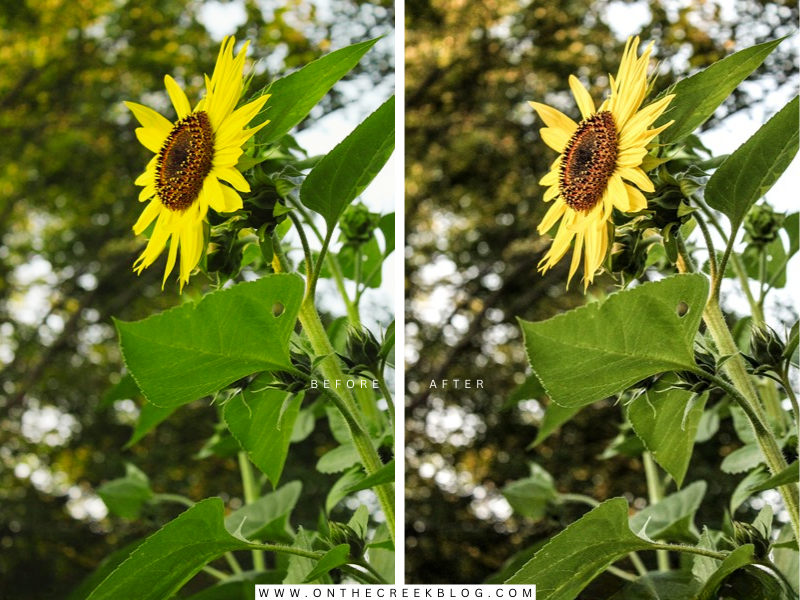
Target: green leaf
x: 195, y: 350
x: 381, y: 553
x: 581, y: 552
x: 124, y: 389
x: 698, y: 96
x: 254, y: 418
x: 239, y: 587
x: 661, y: 421
x: 787, y: 559
x: 672, y: 585
x: 173, y: 555
x: 704, y: 567
x: 106, y: 567
x: 340, y: 458
x: 295, y: 95
x: 340, y: 489
x: 742, y: 556
x: 672, y: 518
x: 742, y: 491
x: 383, y: 475
x: 530, y: 389
x: 333, y: 559
x: 531, y: 496
x: 610, y: 346
x: 359, y: 521
x: 371, y: 259
x: 386, y: 225
x: 743, y: 459
x: 349, y: 168
x: 752, y: 169
x: 300, y: 566
x: 150, y: 417
x: 268, y: 517
x: 127, y: 495
x: 789, y: 475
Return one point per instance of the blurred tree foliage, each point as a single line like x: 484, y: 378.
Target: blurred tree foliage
x: 68, y: 160
x: 473, y: 159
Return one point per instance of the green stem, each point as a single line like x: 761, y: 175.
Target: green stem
x: 304, y: 240
x: 762, y: 276
x: 233, y: 563
x: 622, y: 574
x: 787, y: 385
x: 251, y: 494
x: 387, y: 395
x: 216, y: 573
x: 768, y: 444
x: 378, y: 578
x: 690, y: 550
x: 712, y: 253
x: 312, y: 286
x: 655, y: 492
x: 172, y: 498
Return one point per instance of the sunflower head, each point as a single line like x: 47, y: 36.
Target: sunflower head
x: 598, y: 167
x: 194, y: 166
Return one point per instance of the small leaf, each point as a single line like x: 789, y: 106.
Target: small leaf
x: 752, y: 169
x: 127, y: 495
x: 295, y: 95
x: 195, y: 350
x: 601, y: 349
x: 658, y: 419
x: 333, y: 559
x: 532, y: 496
x: 300, y: 566
x: 581, y: 552
x: 672, y: 518
x: 267, y: 518
x: 788, y: 476
x: 349, y: 168
x: 339, y: 490
x: 386, y: 225
x: 698, y: 96
x: 125, y: 389
x: 383, y: 475
x: 530, y: 389
x: 340, y: 458
x: 255, y: 420
x: 742, y: 491
x: 150, y: 417
x: 173, y: 555
x: 743, y: 459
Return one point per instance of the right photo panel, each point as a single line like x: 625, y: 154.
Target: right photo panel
x: 601, y: 321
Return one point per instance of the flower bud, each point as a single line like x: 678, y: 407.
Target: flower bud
x: 363, y: 351
x: 357, y: 224
x: 762, y: 225
x: 745, y: 533
x: 296, y: 381
x: 341, y: 533
x: 766, y: 350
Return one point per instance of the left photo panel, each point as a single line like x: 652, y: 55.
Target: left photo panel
x: 197, y: 235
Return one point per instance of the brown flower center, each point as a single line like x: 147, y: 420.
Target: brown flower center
x: 184, y: 161
x: 588, y: 161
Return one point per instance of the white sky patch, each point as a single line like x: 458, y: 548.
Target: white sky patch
x: 221, y: 19
x: 627, y: 19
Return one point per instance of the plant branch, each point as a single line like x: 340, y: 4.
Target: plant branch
x: 306, y: 250
x: 655, y: 492
x: 251, y: 494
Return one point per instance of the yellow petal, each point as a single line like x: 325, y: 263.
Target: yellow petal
x: 555, y: 138
x: 233, y: 201
x: 636, y: 175
x: 554, y: 118
x: 233, y: 177
x: 150, y: 212
x: 636, y: 199
x: 582, y: 97
x: 554, y: 213
x: 550, y: 193
x: 213, y: 193
x: 150, y: 119
x: 618, y: 194
x: 150, y: 138
x: 178, y: 97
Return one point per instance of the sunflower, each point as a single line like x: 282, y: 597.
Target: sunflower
x: 599, y: 163
x: 193, y: 156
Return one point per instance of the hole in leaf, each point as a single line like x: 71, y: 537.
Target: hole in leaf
x: 277, y: 309
x: 682, y: 309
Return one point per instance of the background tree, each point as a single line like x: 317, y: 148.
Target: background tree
x: 473, y: 160
x: 67, y: 204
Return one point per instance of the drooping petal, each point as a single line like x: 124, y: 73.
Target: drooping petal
x: 232, y: 176
x: 636, y: 175
x: 554, y: 118
x: 150, y: 212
